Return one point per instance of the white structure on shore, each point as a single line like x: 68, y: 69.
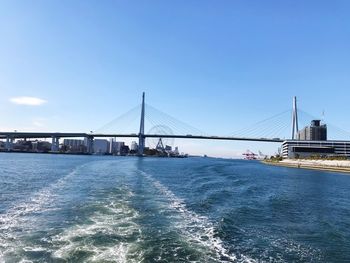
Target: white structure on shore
x: 302, y: 148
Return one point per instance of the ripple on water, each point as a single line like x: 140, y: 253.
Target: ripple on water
x: 109, y: 235
x: 197, y: 230
x: 261, y: 242
x: 16, y: 220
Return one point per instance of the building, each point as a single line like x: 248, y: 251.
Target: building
x: 314, y: 132
x: 119, y: 146
x: 134, y: 147
x: 115, y: 147
x: 111, y: 149
x: 2, y: 145
x: 124, y: 150
x: 112, y: 146
x: 41, y: 146
x: 73, y: 145
x: 22, y: 146
x: 304, y: 148
x: 101, y: 146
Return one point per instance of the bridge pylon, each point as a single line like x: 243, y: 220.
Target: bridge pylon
x: 295, y: 119
x: 142, y: 127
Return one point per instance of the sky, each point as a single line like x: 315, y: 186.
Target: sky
x: 219, y: 66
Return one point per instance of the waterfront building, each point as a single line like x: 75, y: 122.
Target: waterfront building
x: 306, y: 148
x: 101, y: 146
x: 41, y: 146
x: 111, y: 146
x: 124, y: 150
x: 314, y: 132
x: 118, y: 147
x: 134, y: 147
x: 74, y: 145
x: 22, y: 146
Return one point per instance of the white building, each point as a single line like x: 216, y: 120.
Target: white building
x: 302, y: 148
x: 134, y: 146
x: 112, y: 146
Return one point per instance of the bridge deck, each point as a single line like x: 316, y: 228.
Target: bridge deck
x: 41, y: 135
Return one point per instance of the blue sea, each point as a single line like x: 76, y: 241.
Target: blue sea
x: 65, y: 208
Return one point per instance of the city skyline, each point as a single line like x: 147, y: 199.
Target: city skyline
x: 219, y: 67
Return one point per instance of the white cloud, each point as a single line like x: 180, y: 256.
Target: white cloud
x: 30, y: 101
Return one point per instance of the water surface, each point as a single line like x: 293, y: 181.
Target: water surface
x: 60, y: 208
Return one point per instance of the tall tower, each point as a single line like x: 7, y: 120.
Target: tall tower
x: 142, y: 127
x: 294, y: 119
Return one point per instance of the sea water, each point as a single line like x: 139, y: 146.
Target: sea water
x: 65, y: 208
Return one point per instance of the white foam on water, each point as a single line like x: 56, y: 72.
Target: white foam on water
x: 195, y: 228
x: 116, y: 219
x: 117, y: 253
x: 15, y: 217
x: 293, y: 247
x: 34, y: 249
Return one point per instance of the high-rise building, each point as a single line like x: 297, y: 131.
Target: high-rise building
x: 112, y: 149
x: 314, y: 132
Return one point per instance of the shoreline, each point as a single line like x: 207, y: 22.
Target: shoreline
x: 320, y: 165
x: 95, y: 154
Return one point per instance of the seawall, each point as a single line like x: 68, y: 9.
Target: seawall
x: 324, y: 165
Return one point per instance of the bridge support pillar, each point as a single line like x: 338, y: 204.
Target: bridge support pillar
x: 9, y: 143
x: 142, y: 127
x: 55, y: 144
x: 89, y: 144
x: 295, y: 120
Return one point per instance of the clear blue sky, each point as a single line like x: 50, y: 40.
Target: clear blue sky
x: 218, y: 65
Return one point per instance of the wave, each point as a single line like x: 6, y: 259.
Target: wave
x: 15, y: 218
x: 196, y: 229
x: 110, y: 234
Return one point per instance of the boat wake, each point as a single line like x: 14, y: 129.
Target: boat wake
x: 110, y: 234
x: 197, y: 230
x: 16, y: 220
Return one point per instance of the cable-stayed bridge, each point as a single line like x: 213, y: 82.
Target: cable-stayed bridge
x: 273, y: 129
